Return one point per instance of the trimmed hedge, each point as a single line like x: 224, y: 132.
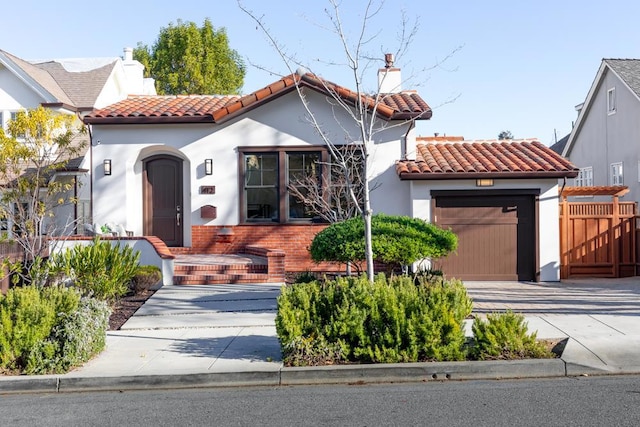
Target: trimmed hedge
x: 395, y: 240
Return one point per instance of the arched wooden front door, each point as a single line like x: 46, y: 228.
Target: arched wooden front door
x: 163, y: 203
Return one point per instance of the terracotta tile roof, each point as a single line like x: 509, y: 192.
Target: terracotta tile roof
x: 216, y: 109
x: 151, y: 109
x: 485, y: 159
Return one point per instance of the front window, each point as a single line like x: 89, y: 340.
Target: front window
x: 584, y: 178
x: 303, y: 170
x: 616, y: 174
x: 277, y: 182
x: 611, y: 100
x: 261, y: 186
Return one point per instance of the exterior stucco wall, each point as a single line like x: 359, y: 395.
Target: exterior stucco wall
x: 547, y: 221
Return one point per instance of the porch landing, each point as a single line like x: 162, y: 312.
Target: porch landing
x: 212, y: 269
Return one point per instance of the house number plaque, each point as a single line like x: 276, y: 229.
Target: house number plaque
x: 207, y: 189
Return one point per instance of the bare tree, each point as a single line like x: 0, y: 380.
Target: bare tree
x: 361, y: 108
x: 326, y: 194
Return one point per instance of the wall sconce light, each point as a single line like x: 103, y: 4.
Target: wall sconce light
x: 208, y: 166
x: 485, y: 182
x: 107, y: 166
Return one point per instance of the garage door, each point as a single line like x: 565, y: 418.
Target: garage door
x: 496, y: 236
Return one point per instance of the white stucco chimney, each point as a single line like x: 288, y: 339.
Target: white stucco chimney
x: 128, y: 54
x: 389, y: 77
x: 134, y: 73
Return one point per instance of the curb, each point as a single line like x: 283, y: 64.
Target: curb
x: 285, y: 376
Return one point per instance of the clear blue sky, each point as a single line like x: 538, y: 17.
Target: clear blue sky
x: 523, y: 65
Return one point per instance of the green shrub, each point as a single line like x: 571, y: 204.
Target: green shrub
x: 99, y: 269
x: 354, y: 320
x: 397, y: 240
x: 505, y: 336
x: 27, y: 316
x: 77, y: 337
x: 305, y: 277
x: 145, y: 277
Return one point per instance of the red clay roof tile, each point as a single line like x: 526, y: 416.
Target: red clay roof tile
x: 210, y: 108
x: 455, y: 159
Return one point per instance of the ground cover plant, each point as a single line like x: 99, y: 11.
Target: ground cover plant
x: 49, y: 329
x: 505, y: 336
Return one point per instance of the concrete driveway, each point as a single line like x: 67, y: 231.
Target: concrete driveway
x: 601, y: 318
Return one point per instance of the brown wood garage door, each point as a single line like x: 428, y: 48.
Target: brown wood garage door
x: 496, y: 236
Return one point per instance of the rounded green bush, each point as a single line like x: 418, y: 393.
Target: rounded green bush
x: 145, y: 277
x: 395, y: 240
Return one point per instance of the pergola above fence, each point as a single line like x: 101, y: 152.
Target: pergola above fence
x: 602, y: 190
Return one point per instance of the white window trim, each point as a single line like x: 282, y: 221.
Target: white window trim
x: 611, y: 101
x: 584, y: 178
x: 615, y: 177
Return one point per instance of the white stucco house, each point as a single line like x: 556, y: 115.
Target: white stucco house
x: 209, y: 174
x: 73, y: 86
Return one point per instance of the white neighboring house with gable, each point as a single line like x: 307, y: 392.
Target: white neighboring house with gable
x: 73, y: 86
x: 604, y: 142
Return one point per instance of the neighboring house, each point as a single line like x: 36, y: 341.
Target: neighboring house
x: 499, y: 197
x: 209, y: 174
x: 604, y: 140
x: 68, y: 86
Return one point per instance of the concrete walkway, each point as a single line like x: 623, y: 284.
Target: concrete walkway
x: 190, y: 336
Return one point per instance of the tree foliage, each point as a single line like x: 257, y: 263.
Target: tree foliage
x: 187, y: 59
x: 505, y: 134
x: 39, y: 144
x: 396, y: 240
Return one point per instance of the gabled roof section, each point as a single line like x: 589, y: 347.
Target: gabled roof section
x: 217, y: 109
x: 39, y: 80
x: 82, y: 87
x: 509, y: 159
x: 558, y: 147
x: 627, y: 70
x: 56, y: 85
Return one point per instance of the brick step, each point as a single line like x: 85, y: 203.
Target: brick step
x: 187, y: 269
x: 219, y: 278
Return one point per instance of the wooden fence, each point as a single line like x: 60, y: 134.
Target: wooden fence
x: 598, y: 239
x: 12, y: 252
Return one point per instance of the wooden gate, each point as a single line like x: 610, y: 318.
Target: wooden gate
x: 598, y: 239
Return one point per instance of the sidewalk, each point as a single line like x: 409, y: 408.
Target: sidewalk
x: 224, y: 335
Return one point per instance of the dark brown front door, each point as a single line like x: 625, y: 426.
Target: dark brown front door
x: 163, y: 210
x: 496, y: 236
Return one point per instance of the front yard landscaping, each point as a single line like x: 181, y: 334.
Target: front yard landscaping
x: 401, y: 319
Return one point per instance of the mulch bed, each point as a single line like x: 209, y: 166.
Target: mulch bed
x: 126, y: 307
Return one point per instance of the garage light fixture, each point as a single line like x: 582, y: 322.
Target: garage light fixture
x: 484, y: 182
x: 107, y: 166
x: 208, y: 166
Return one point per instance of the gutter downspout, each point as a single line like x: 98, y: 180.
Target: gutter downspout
x: 412, y: 125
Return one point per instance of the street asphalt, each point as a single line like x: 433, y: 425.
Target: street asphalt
x: 224, y: 335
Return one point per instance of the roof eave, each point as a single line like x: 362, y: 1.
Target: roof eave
x: 409, y: 176
x: 60, y: 105
x: 147, y: 120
